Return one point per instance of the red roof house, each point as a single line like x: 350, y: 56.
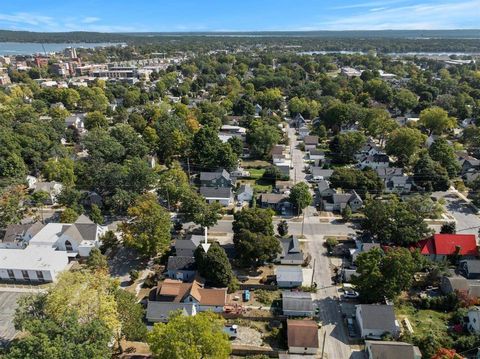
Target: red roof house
x: 440, y: 245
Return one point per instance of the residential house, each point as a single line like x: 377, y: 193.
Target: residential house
x: 31, y: 181
x: 324, y: 190
x: 275, y: 201
x: 77, y: 121
x: 453, y: 284
x: 311, y: 142
x: 52, y: 188
x: 395, y: 180
x: 391, y: 350
x: 470, y: 268
x: 439, y: 246
x: 291, y: 253
x: 283, y: 186
x: 258, y: 109
x: 370, y: 149
x: 316, y: 155
x: 303, y: 132
x: 245, y: 193
x: 293, y: 276
x: 473, y: 321
x: 339, y: 201
x: 362, y: 247
x: 190, y: 297
x: 298, y: 121
x: 350, y: 72
x: 302, y: 337
x: 297, y: 304
x: 319, y: 172
x: 181, y: 268
x: 239, y: 172
x: 375, y: 320
x: 406, y: 120
x: 229, y: 131
x: 216, y: 179
x: 222, y: 195
x: 379, y: 160
x: 17, y: 235
x: 186, y: 247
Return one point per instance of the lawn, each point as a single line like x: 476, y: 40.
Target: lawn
x: 256, y: 173
x: 423, y: 320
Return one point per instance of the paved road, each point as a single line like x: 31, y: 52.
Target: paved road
x: 336, y: 342
x: 467, y: 221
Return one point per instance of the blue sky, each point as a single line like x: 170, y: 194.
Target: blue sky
x: 238, y: 15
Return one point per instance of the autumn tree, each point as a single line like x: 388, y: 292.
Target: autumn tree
x: 149, y: 229
x: 193, y: 337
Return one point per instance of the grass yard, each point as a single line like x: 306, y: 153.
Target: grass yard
x: 423, y: 320
x: 256, y: 173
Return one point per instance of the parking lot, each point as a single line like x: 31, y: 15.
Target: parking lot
x: 8, y: 304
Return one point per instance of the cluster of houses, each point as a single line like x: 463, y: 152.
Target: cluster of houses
x: 37, y: 252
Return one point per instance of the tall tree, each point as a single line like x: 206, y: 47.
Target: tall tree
x: 404, y: 143
x: 442, y: 152
x: 194, y: 337
x: 149, y: 229
x: 261, y: 138
x: 300, y: 196
x: 430, y: 175
x: 436, y: 120
x: 344, y: 146
x: 214, y: 266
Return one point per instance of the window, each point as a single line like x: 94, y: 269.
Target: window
x: 40, y: 275
x: 68, y: 246
x: 11, y: 275
x: 25, y: 275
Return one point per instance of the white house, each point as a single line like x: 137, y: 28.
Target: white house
x: 473, y: 324
x: 34, y: 263
x: 293, y: 276
x: 375, y: 320
x: 245, y: 193
x: 302, y: 337
x: 222, y: 195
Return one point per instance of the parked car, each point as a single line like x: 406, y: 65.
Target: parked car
x: 351, y: 294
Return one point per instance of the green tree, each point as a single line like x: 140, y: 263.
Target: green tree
x: 96, y: 260
x: 430, y: 175
x: 61, y: 170
x: 130, y: 314
x: 95, y: 119
x: 96, y: 214
x: 11, y: 205
x: 261, y: 138
x: 300, y: 196
x: 362, y: 181
x: 344, y: 146
x: 282, y: 228
x: 404, y: 143
x: 436, y: 120
x: 442, y: 152
x: 173, y: 184
x: 253, y: 237
x: 149, y: 230
x: 384, y: 275
x: 196, y: 209
x: 394, y: 222
x: 196, y: 337
x: 405, y: 100
x: 214, y: 266
x: 69, y: 215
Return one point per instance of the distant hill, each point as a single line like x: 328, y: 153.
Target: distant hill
x: 79, y: 36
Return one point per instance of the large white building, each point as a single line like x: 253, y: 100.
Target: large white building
x: 40, y: 255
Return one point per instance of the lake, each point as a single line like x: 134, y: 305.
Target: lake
x: 28, y: 48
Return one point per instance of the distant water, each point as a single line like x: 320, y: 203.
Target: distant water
x: 29, y: 48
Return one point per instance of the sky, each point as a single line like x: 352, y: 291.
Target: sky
x: 237, y: 15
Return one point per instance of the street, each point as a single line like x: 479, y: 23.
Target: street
x: 467, y: 221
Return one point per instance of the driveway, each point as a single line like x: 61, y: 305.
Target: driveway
x: 8, y: 304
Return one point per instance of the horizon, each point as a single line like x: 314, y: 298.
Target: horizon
x: 190, y: 16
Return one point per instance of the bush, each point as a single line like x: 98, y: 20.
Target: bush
x: 330, y: 243
x: 134, y: 274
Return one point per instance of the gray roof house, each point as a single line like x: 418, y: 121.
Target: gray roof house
x: 320, y: 172
x: 245, y: 193
x: 186, y: 247
x: 222, y: 195
x: 378, y: 160
x: 291, y: 252
x: 339, y: 201
x: 216, y: 179
x: 181, y: 268
x: 391, y: 350
x: 297, y: 304
x: 292, y: 276
x: 160, y: 311
x: 470, y: 268
x: 375, y: 320
x: 324, y: 190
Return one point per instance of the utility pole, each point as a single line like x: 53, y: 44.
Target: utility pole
x: 188, y: 168
x: 323, y: 345
x: 303, y: 221
x: 313, y: 272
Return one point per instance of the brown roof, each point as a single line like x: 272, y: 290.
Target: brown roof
x: 170, y: 287
x: 213, y: 296
x: 311, y: 140
x: 302, y: 333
